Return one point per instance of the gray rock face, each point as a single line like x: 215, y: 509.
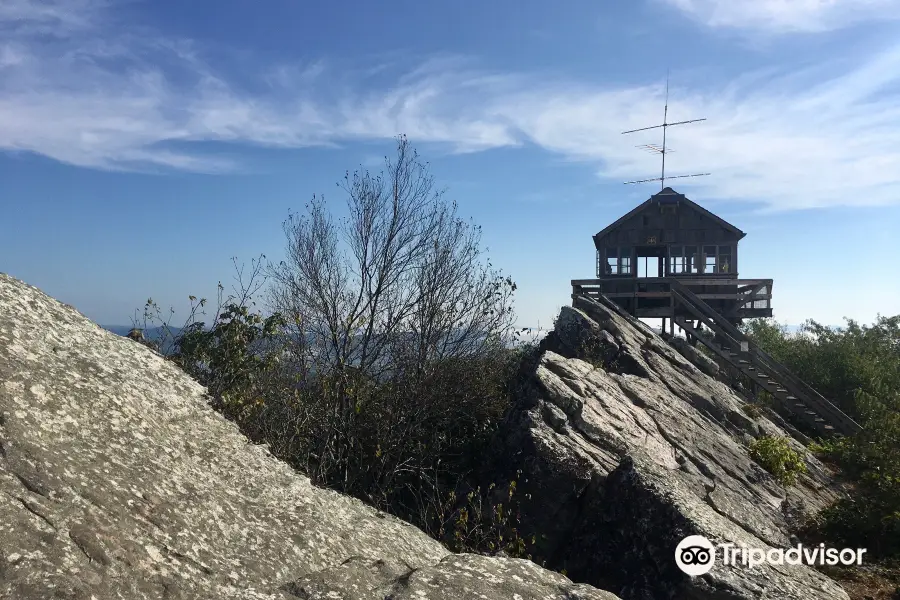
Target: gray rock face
x: 625, y: 448
x: 118, y: 481
x: 694, y: 356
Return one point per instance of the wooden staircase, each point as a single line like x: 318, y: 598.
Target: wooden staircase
x: 790, y: 393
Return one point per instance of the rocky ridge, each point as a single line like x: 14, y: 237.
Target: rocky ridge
x: 117, y: 480
x: 624, y: 447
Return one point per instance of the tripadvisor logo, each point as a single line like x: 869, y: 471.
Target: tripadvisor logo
x: 695, y: 555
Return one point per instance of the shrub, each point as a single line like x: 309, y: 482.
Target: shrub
x: 858, y: 368
x: 486, y: 522
x: 752, y: 410
x: 777, y: 457
x: 385, y: 367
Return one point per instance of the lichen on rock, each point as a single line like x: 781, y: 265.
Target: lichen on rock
x: 117, y: 480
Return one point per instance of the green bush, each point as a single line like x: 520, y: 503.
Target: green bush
x: 777, y: 457
x: 486, y: 522
x: 858, y: 368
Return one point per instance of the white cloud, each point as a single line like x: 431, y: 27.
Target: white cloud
x: 133, y: 100
x: 53, y: 17
x: 785, y: 16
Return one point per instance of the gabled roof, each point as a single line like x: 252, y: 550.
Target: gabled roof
x: 669, y: 196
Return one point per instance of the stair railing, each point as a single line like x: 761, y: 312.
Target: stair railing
x: 792, y: 383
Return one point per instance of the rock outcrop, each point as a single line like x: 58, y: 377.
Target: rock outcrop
x: 697, y: 358
x: 623, y: 447
x: 118, y: 481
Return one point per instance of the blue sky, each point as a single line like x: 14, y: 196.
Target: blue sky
x: 143, y: 144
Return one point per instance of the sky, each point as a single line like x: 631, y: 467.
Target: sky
x: 144, y: 144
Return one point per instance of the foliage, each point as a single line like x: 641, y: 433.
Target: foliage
x: 759, y: 404
x: 385, y: 363
x: 776, y: 456
x: 870, y: 517
x: 858, y: 368
x: 486, y: 522
x: 752, y: 410
x: 234, y: 356
x: 840, y: 363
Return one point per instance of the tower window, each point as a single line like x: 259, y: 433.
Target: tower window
x: 612, y: 261
x: 691, y: 262
x: 709, y: 259
x: 676, y: 259
x: 725, y: 264
x: 617, y: 261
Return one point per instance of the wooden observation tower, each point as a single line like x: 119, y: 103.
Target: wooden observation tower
x: 670, y: 258
x: 669, y: 239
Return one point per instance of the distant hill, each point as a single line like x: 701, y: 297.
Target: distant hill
x: 166, y: 343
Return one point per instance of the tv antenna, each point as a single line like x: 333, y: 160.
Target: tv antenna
x: 663, y: 150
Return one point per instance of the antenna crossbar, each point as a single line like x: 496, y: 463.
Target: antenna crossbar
x: 663, y: 150
x: 663, y: 125
x: 669, y: 177
x: 654, y: 148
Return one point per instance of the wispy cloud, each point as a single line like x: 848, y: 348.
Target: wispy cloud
x: 786, y: 16
x: 134, y: 100
x: 49, y: 17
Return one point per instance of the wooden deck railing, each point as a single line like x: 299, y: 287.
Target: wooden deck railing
x: 747, y: 293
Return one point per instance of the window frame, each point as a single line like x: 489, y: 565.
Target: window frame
x: 679, y: 263
x: 692, y: 259
x: 729, y: 255
x: 676, y: 260
x: 710, y: 261
x: 611, y: 259
x: 619, y: 260
x: 625, y: 263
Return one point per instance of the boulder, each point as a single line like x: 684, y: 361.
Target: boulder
x: 117, y: 480
x: 621, y: 453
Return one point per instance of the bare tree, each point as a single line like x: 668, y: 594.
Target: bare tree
x: 400, y: 328
x: 384, y: 365
x: 400, y: 283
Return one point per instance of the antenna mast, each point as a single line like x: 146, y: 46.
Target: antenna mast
x: 663, y: 150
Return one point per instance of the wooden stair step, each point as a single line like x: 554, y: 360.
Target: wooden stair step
x: 791, y: 398
x: 781, y: 391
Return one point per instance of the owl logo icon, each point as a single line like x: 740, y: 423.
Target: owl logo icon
x: 695, y: 555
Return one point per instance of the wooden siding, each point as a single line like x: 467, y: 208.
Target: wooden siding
x: 660, y: 223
